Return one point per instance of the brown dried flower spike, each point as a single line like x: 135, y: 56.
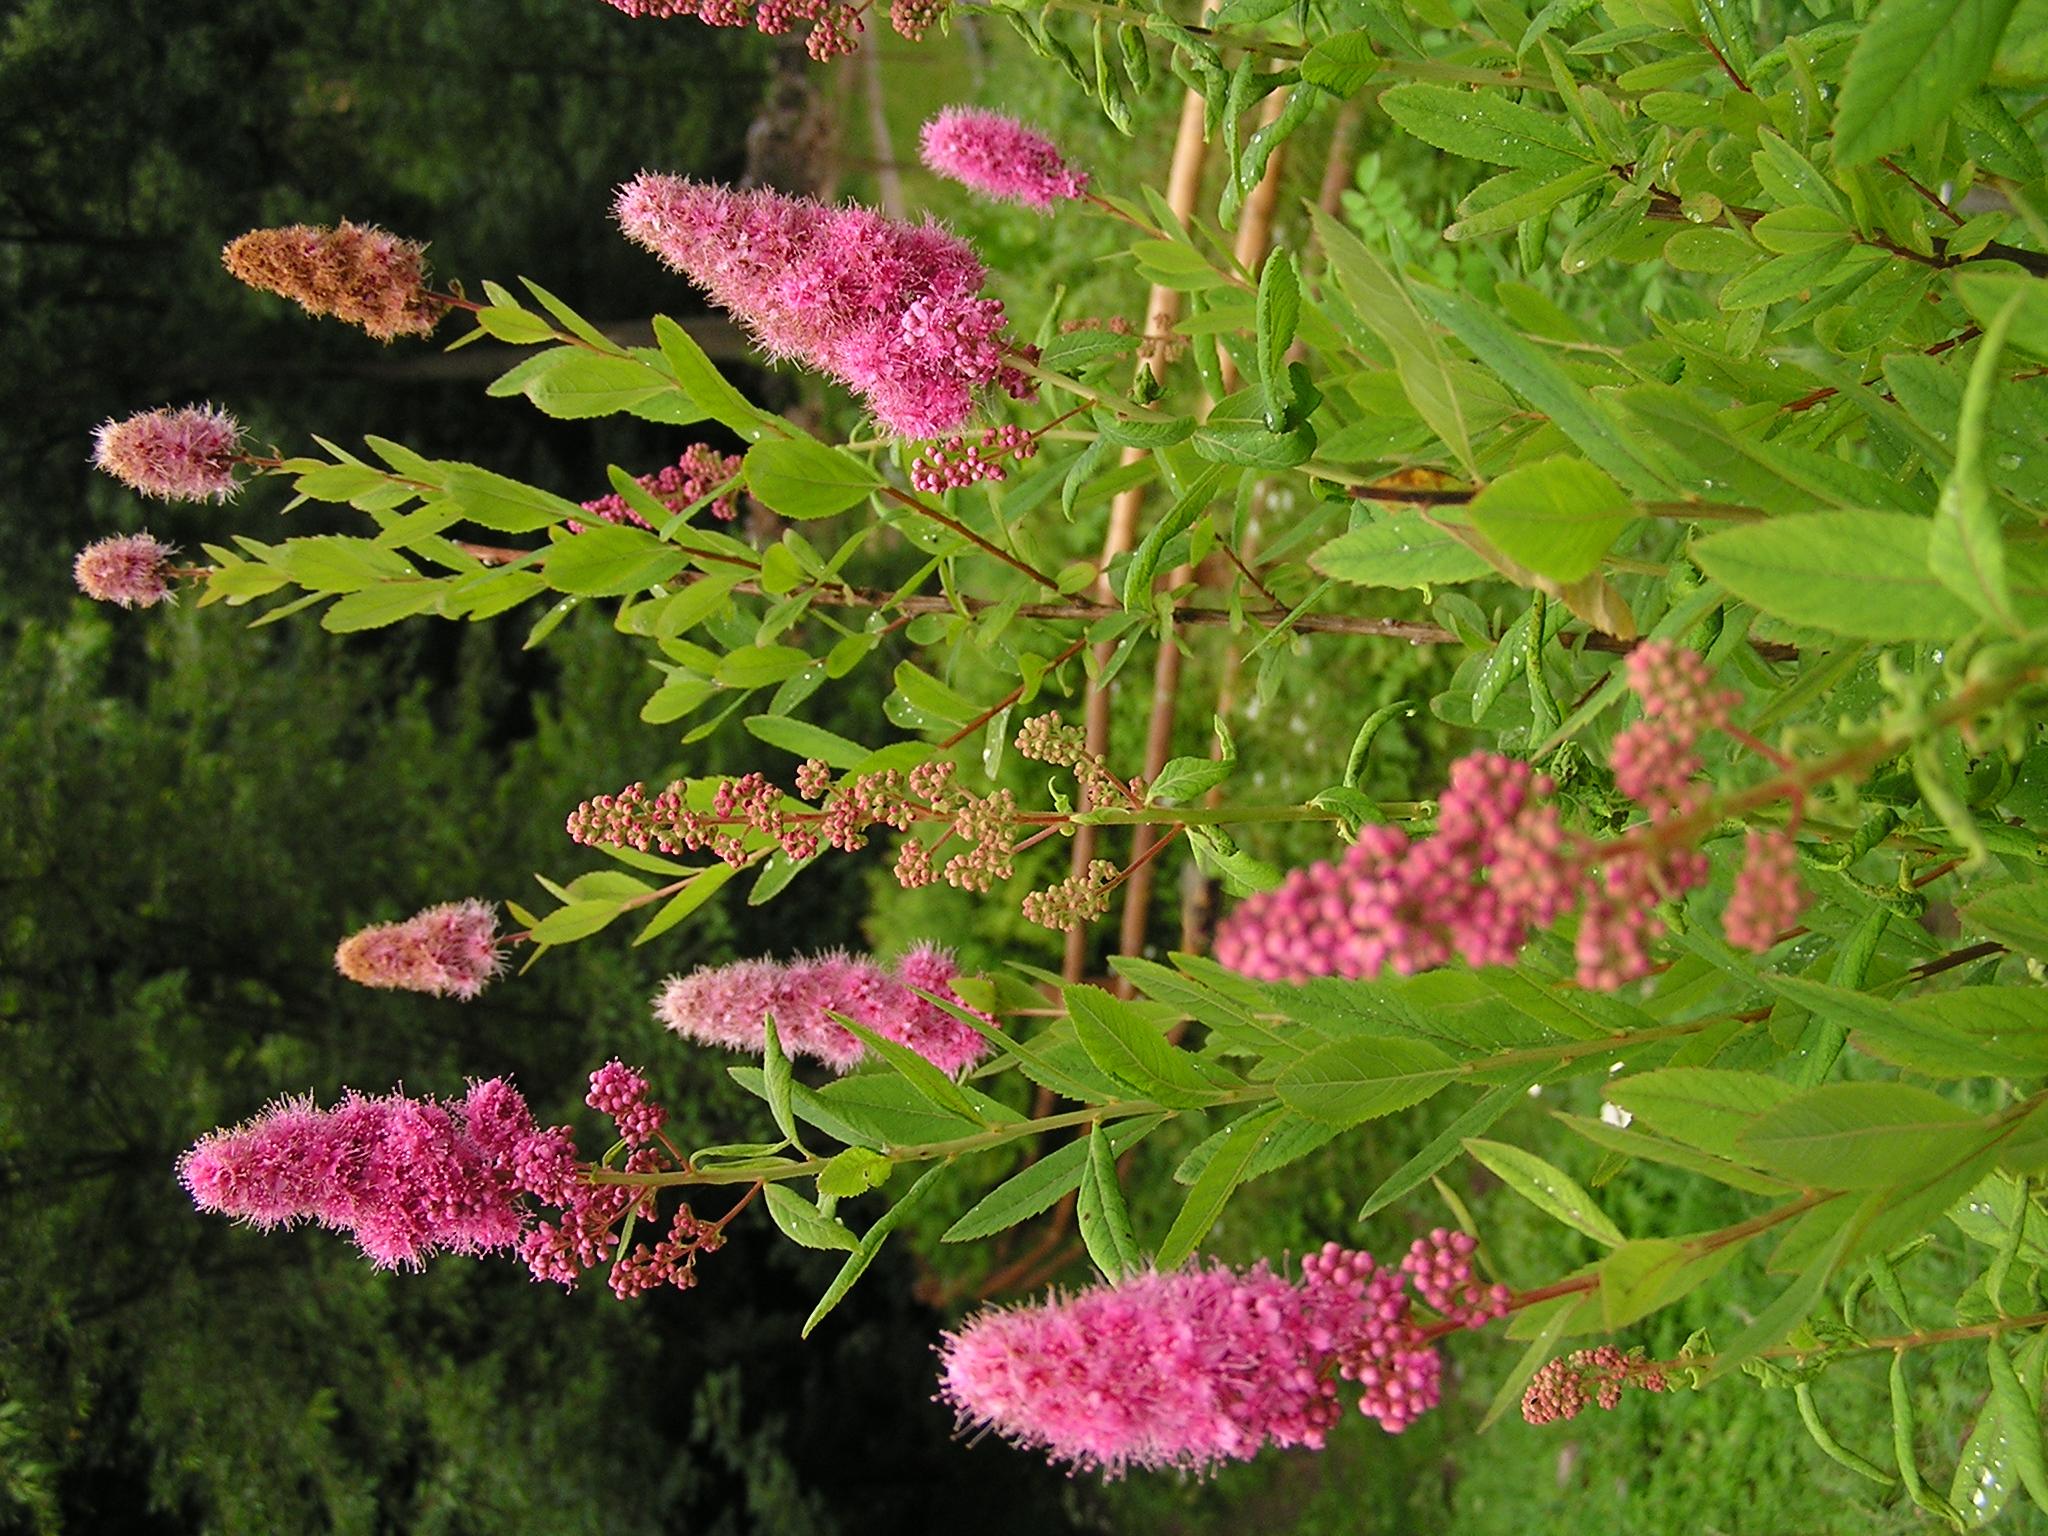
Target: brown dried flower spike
x: 356, y: 272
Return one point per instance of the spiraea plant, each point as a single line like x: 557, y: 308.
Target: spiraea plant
x: 1700, y: 425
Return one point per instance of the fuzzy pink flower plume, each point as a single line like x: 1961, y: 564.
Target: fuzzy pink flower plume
x: 890, y: 310
x: 725, y: 1005
x: 1201, y: 1366
x: 447, y: 951
x: 182, y: 455
x: 132, y: 570
x: 999, y: 157
x: 406, y: 1178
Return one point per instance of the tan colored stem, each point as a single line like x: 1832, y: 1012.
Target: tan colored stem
x: 1337, y: 167
x: 1254, y: 236
x: 1162, y: 311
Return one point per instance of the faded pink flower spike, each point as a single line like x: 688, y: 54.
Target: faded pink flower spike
x: 448, y: 951
x: 181, y: 455
x: 1195, y: 1367
x: 726, y: 1005
x: 999, y: 157
x: 890, y: 310
x: 833, y: 25
x: 406, y: 1178
x: 677, y: 486
x: 355, y: 272
x: 132, y: 570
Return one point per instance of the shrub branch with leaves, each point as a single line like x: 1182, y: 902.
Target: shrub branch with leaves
x: 1749, y: 588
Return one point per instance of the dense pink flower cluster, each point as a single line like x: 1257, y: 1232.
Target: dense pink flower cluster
x: 1200, y: 1366
x: 182, y: 455
x: 890, y: 310
x: 833, y: 24
x: 452, y: 950
x: 678, y: 486
x: 1768, y: 897
x: 956, y: 463
x: 999, y: 157
x: 1500, y: 863
x: 1566, y: 1386
x: 131, y: 569
x: 1440, y: 1266
x: 408, y: 1178
x: 727, y: 1006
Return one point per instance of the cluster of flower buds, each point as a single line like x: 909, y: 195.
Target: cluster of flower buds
x: 1074, y: 901
x: 1383, y: 1349
x: 1440, y: 1267
x: 1501, y: 863
x: 957, y: 463
x: 1048, y: 739
x: 679, y: 486
x: 834, y: 26
x: 1566, y: 1386
x: 986, y: 825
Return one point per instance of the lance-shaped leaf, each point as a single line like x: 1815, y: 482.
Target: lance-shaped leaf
x: 1966, y: 1032
x: 1039, y: 1186
x: 870, y: 1245
x: 1914, y: 62
x: 1227, y: 1168
x: 1701, y: 1106
x: 1426, y: 1164
x: 1966, y: 547
x: 1862, y: 1136
x: 1100, y: 1212
x: 802, y: 1222
x: 1123, y: 1043
x: 1550, y: 1189
x: 1556, y: 517
x: 1355, y: 1080
x: 927, y: 1079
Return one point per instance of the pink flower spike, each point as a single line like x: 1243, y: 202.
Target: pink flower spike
x: 182, y: 455
x: 1177, y: 1370
x: 890, y: 310
x: 726, y: 1005
x: 132, y: 570
x: 447, y: 951
x: 999, y: 157
x: 406, y: 1178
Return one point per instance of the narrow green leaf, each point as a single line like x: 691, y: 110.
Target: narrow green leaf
x: 1861, y: 1136
x: 1799, y: 1298
x: 1861, y: 574
x: 1550, y: 1189
x: 1914, y: 62
x: 1701, y: 1106
x: 801, y: 478
x: 1482, y: 126
x: 1102, y: 1216
x: 687, y: 900
x: 806, y: 740
x: 801, y: 1222
x: 1355, y: 1080
x: 927, y: 1079
x: 1540, y: 1349
x: 1226, y: 1169
x: 1042, y: 1184
x: 1123, y: 1043
x: 1966, y: 548
x: 870, y: 1245
x: 775, y: 1072
x: 1426, y: 1164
